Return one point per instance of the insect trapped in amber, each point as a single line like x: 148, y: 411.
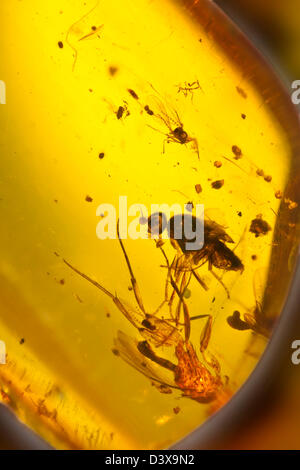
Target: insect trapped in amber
x: 174, y: 127
x: 199, y: 380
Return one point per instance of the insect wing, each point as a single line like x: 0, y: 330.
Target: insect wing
x: 165, y: 113
x: 127, y: 348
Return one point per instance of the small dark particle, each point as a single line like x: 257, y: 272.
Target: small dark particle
x: 260, y: 172
x: 94, y: 28
x: 189, y: 206
x: 239, y: 214
x: 241, y: 92
x: 101, y: 155
x: 278, y: 194
x: 259, y: 226
x: 218, y: 164
x: 89, y: 199
x: 148, y: 110
x: 176, y: 410
x: 120, y: 112
x: 56, y: 201
x: 78, y: 298
x: 213, y: 300
x: 254, y: 257
x: 108, y: 315
x: 130, y: 288
x: 243, y: 116
x: 268, y: 178
x: 147, y: 324
x: 237, y: 152
x: 133, y: 94
x: 56, y: 254
x: 90, y: 90
x: 22, y: 341
x: 217, y: 184
x: 62, y: 282
x: 113, y: 70
x: 163, y: 388
x: 115, y: 352
x: 60, y: 44
x: 198, y: 188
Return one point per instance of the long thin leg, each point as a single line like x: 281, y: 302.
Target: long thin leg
x: 166, y: 283
x: 187, y: 321
x: 184, y: 284
x: 114, y: 298
x: 219, y: 280
x: 178, y: 274
x: 132, y: 277
x: 196, y: 147
x: 201, y: 282
x: 204, y: 342
x: 206, y: 334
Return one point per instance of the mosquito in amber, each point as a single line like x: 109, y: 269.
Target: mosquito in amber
x: 198, y: 379
x: 175, y: 131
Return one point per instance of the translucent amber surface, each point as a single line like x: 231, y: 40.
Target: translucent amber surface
x: 87, y: 86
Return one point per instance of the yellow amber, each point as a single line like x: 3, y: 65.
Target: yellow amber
x: 68, y: 67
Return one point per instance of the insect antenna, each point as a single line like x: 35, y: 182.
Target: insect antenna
x: 92, y: 281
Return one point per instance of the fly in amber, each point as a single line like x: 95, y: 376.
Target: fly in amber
x: 186, y: 262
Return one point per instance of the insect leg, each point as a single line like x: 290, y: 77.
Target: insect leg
x: 132, y: 278
x: 219, y: 280
x: 114, y: 298
x: 178, y: 273
x: 195, y: 146
x: 201, y: 282
x: 204, y: 342
x: 184, y: 284
x: 206, y: 334
x: 166, y: 283
x: 187, y: 321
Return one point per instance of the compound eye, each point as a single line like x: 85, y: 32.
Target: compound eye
x: 157, y: 223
